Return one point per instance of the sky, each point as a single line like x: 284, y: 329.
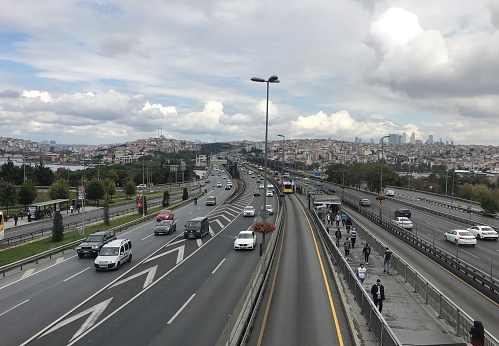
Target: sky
x: 112, y: 71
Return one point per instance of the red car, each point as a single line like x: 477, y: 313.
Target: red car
x: 165, y: 215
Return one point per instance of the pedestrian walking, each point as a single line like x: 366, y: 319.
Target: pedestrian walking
x: 348, y: 223
x: 328, y: 219
x: 353, y: 237
x: 15, y: 220
x: 477, y: 334
x: 78, y: 208
x: 347, y: 246
x: 71, y: 208
x: 29, y: 216
x: 343, y: 219
x: 386, y: 260
x: 378, y: 292
x: 362, y: 272
x: 366, y: 251
x: 338, y: 219
x: 338, y: 237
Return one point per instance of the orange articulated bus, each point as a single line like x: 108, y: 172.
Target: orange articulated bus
x: 1, y: 225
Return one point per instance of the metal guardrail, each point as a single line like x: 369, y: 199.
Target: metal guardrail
x: 484, y: 282
x: 376, y: 322
x: 19, y: 239
x: 437, y: 195
x: 72, y: 245
x: 441, y: 304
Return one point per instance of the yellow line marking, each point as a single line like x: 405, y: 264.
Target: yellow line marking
x: 429, y: 259
x: 340, y: 339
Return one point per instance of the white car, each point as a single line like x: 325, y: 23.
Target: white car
x: 460, y: 237
x: 113, y: 254
x: 483, y: 232
x: 245, y: 240
x: 219, y: 184
x: 403, y: 222
x: 262, y: 186
x: 270, y: 194
x: 390, y: 193
x: 270, y: 209
x: 249, y: 211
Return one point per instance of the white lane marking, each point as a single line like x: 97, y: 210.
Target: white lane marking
x: 211, y: 232
x: 226, y: 218
x: 95, y: 311
x: 59, y: 260
x: 150, y: 235
x: 180, y: 310
x: 176, y: 242
x: 27, y: 273
x: 200, y: 242
x: 470, y: 254
x: 220, y: 223
x: 218, y: 266
x: 180, y: 255
x: 69, y: 278
x: 12, y: 308
x: 149, y: 278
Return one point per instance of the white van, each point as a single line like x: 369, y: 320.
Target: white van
x: 113, y: 254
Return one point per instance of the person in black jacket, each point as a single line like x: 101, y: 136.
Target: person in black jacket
x: 477, y: 334
x: 378, y: 292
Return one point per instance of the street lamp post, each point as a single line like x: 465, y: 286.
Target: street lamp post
x: 381, y: 176
x: 272, y: 79
x: 446, y: 179
x: 283, y: 151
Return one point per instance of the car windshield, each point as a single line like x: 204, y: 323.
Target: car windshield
x: 193, y: 223
x: 94, y: 238
x: 269, y: 206
x: 245, y: 236
x: 109, y: 251
x: 165, y: 212
x: 248, y: 209
x: 165, y: 223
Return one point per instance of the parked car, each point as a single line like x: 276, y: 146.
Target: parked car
x: 390, y: 193
x: 364, y: 202
x: 245, y: 240
x: 402, y: 212
x: 483, y: 232
x: 249, y: 211
x: 94, y: 242
x: 113, y: 254
x: 460, y: 237
x: 403, y: 222
x: 270, y: 209
x: 165, y: 215
x: 165, y: 227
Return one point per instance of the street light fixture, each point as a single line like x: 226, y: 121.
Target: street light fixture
x: 272, y: 79
x: 283, y: 151
x: 381, y: 177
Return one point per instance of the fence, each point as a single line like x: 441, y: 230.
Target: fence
x: 443, y: 306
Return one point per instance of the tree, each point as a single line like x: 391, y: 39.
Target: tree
x: 105, y: 213
x: 94, y: 190
x: 109, y: 187
x: 185, y: 194
x: 44, y: 175
x: 59, y: 190
x: 58, y: 228
x: 489, y: 204
x: 11, y: 173
x: 27, y: 193
x: 129, y: 187
x: 8, y: 195
x: 166, y: 199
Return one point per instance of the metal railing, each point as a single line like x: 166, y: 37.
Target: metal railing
x: 376, y: 322
x: 441, y: 304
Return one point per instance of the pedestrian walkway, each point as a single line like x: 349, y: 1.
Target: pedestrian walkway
x: 404, y: 311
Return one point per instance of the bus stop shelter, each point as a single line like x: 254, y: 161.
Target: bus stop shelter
x: 39, y: 210
x: 331, y: 202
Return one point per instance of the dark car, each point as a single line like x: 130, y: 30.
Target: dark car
x: 364, y: 202
x: 228, y: 187
x: 402, y: 212
x: 165, y: 227
x: 256, y: 193
x: 94, y: 242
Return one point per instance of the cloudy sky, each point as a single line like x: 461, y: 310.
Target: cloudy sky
x: 109, y: 71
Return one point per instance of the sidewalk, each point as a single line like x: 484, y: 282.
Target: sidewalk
x: 404, y: 311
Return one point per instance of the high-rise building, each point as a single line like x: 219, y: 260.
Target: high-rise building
x: 430, y: 139
x: 393, y: 138
x: 413, y: 138
x: 404, y: 138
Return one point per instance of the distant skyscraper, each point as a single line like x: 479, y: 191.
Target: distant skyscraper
x: 418, y: 141
x: 404, y: 138
x: 430, y: 139
x: 52, y: 142
x: 393, y: 139
x: 413, y: 138
x: 372, y: 141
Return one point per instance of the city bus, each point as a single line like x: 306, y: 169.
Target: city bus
x: 289, y: 187
x: 1, y: 225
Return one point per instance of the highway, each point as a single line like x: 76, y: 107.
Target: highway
x: 172, y: 287
x: 301, y: 305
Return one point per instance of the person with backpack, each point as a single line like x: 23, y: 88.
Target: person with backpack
x: 347, y: 246
x: 353, y: 237
x: 348, y: 223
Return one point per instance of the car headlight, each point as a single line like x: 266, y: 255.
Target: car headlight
x: 96, y: 247
x: 96, y: 262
